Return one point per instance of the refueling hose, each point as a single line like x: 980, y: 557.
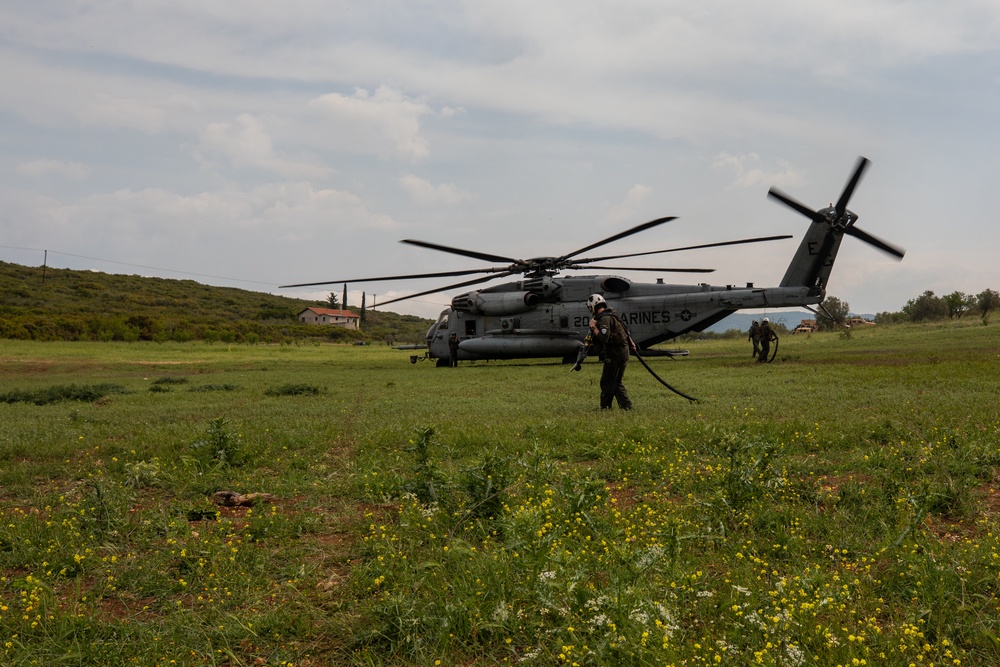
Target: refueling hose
x: 661, y: 381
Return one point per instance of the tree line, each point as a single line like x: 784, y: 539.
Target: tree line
x: 929, y: 307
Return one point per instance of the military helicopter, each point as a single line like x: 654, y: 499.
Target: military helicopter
x: 544, y: 314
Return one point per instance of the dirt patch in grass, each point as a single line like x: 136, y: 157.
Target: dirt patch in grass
x: 186, y: 362
x: 948, y: 531
x: 21, y: 369
x: 624, y: 497
x: 381, y: 512
x: 990, y: 495
x: 127, y: 609
x: 833, y: 483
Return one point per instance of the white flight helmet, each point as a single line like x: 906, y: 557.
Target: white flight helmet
x: 595, y: 300
x: 766, y: 320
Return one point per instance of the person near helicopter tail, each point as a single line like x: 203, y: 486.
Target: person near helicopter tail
x: 754, y: 337
x: 766, y: 336
x: 614, y: 343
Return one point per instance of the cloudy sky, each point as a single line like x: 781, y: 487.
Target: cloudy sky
x: 255, y: 143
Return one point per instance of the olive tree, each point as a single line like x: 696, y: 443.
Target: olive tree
x: 986, y: 301
x: 927, y: 306
x: 837, y: 309
x: 959, y: 303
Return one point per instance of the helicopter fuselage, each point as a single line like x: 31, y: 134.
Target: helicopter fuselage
x: 548, y: 317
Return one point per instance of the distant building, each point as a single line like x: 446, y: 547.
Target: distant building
x: 333, y: 316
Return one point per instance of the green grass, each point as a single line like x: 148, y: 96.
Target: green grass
x: 837, y: 506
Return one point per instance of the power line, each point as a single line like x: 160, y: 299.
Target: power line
x: 140, y: 266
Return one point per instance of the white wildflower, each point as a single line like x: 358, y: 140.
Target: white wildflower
x: 531, y: 655
x: 600, y: 620
x: 795, y: 654
x: 639, y: 616
x: 501, y: 613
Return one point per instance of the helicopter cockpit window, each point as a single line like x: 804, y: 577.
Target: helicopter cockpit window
x: 470, y: 327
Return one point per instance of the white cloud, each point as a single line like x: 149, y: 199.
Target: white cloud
x: 295, y: 209
x: 73, y: 171
x: 630, y: 207
x: 246, y: 144
x: 637, y: 194
x: 388, y: 116
x: 126, y: 113
x: 273, y: 229
x: 425, y: 192
x: 748, y: 172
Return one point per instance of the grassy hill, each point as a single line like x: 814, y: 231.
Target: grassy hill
x: 66, y: 304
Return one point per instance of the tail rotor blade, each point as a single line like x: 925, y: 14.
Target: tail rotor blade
x: 794, y: 205
x: 845, y: 196
x: 884, y: 246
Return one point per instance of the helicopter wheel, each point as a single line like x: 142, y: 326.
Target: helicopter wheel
x: 441, y: 363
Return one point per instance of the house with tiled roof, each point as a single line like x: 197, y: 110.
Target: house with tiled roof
x: 333, y: 316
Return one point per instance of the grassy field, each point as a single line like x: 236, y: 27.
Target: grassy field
x: 836, y: 507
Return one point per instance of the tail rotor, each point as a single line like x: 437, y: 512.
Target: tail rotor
x: 839, y: 217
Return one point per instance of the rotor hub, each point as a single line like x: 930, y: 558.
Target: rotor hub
x: 838, y: 221
x: 539, y: 266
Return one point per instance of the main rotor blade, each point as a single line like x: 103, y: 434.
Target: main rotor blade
x: 884, y: 246
x: 845, y: 196
x: 635, y: 230
x: 639, y: 268
x: 438, y: 274
x: 447, y: 287
x: 759, y: 239
x: 791, y: 203
x: 458, y: 251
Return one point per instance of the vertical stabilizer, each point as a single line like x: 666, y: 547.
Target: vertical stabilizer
x: 813, y: 261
